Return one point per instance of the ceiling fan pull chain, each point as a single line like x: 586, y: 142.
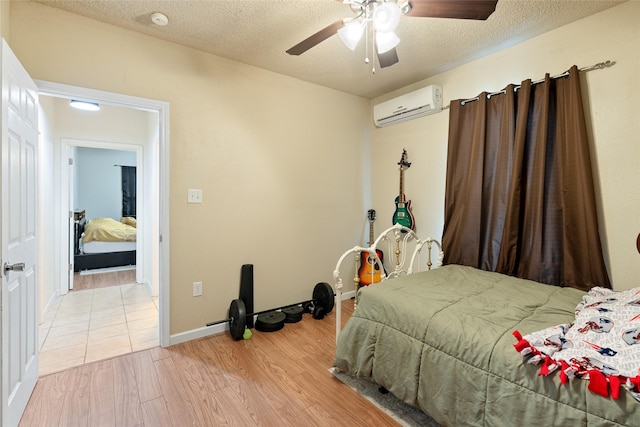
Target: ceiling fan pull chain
x: 366, y: 49
x: 366, y: 37
x: 373, y: 54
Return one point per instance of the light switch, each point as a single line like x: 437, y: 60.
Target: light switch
x: 194, y: 195
x: 197, y: 289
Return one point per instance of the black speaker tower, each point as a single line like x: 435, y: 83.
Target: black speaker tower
x: 246, y: 291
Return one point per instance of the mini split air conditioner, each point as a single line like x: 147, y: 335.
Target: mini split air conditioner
x: 419, y: 103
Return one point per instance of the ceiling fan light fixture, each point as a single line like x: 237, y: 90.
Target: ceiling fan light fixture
x: 386, y: 17
x: 386, y: 41
x: 351, y: 34
x: 405, y: 7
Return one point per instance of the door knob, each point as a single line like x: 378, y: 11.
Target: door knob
x: 19, y: 266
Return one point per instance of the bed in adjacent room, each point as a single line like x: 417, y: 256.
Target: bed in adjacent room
x: 106, y: 243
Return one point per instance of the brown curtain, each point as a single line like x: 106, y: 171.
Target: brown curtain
x: 128, y: 178
x: 519, y: 195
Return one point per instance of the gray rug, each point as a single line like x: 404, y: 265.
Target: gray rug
x: 404, y: 414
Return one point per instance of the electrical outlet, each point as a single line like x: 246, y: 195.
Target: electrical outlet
x: 194, y: 195
x: 197, y: 289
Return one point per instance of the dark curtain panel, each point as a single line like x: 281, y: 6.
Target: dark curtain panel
x: 519, y: 195
x: 128, y: 190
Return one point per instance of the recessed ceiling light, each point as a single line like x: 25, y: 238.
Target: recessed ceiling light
x: 84, y: 105
x: 159, y: 19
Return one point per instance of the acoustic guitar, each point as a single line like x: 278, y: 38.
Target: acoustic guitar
x: 403, y: 214
x: 370, y: 270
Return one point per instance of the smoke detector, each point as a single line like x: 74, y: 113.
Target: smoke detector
x: 159, y: 19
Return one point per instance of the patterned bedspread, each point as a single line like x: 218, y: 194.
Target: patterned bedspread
x: 602, y: 345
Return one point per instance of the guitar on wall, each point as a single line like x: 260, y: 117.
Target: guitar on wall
x: 403, y: 214
x: 370, y: 270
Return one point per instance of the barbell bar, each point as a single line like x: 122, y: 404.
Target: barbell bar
x: 323, y: 300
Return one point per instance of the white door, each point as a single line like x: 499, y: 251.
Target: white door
x: 19, y: 250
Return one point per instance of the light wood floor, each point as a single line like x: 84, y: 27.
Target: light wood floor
x: 82, y: 282
x: 274, y: 379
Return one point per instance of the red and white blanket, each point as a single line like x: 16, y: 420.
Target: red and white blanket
x: 602, y: 345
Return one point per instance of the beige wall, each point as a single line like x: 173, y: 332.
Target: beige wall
x: 278, y: 159
x: 5, y: 12
x: 612, y: 109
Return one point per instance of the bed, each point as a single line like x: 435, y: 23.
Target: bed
x: 442, y: 340
x: 105, y: 243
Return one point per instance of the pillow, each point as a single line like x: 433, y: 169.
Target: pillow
x: 129, y: 221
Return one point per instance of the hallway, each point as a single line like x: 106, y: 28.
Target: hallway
x: 88, y: 325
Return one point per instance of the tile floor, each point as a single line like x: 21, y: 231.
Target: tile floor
x: 89, y: 325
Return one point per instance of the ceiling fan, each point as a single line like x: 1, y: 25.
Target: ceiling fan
x: 379, y: 19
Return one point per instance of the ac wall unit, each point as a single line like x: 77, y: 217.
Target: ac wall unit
x: 418, y: 103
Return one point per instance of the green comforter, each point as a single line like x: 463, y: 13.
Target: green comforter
x: 442, y: 340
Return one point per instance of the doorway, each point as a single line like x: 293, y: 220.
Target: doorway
x: 152, y: 157
x: 94, y: 173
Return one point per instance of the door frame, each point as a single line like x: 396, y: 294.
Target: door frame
x: 59, y: 90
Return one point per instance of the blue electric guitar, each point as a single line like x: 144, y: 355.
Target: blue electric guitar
x: 403, y: 214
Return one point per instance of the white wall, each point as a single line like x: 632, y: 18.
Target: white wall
x: 612, y: 108
x: 151, y: 201
x: 98, y: 181
x: 49, y: 272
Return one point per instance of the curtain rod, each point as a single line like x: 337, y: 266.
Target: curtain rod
x: 598, y: 66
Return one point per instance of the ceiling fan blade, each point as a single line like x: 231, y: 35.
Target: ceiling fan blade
x: 388, y: 58
x: 460, y: 9
x: 316, y: 38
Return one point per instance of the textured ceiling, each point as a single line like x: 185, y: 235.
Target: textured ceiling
x: 258, y: 32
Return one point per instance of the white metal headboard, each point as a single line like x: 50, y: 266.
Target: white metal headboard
x: 402, y: 245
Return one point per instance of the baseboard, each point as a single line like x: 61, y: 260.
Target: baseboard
x: 220, y: 328
x: 195, y: 334
x: 47, y: 306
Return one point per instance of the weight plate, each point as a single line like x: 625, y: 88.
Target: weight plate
x: 293, y: 314
x: 237, y: 319
x: 323, y: 297
x: 270, y: 322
